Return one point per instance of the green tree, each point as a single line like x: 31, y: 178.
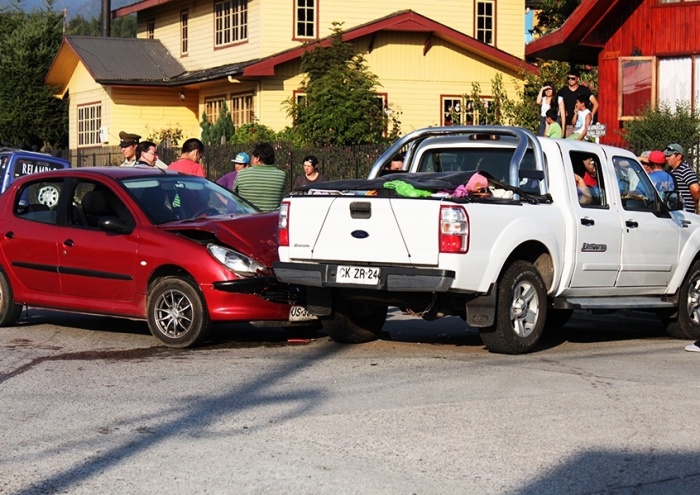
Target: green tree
x: 30, y: 117
x: 341, y: 105
x: 552, y: 14
x: 656, y: 127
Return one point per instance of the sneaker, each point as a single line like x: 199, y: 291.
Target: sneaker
x: 692, y: 348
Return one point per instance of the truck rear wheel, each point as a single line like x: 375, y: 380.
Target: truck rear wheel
x: 686, y: 324
x: 355, y: 322
x: 521, y: 311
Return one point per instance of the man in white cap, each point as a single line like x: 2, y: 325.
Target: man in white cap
x: 685, y: 177
x: 241, y: 161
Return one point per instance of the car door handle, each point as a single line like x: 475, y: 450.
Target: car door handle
x: 587, y: 221
x: 68, y: 243
x: 685, y: 223
x: 631, y: 224
x: 10, y: 235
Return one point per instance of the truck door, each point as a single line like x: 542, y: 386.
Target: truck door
x: 598, y: 225
x: 650, y: 240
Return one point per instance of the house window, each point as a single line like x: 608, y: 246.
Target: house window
x: 635, y: 85
x: 231, y: 21
x: 458, y: 110
x: 89, y: 123
x: 184, y: 18
x: 305, y: 18
x: 675, y: 81
x: 485, y: 22
x: 150, y: 29
x: 242, y: 109
x: 651, y: 81
x: 212, y: 108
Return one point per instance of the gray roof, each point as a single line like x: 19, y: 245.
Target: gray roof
x: 139, y: 62
x: 126, y: 60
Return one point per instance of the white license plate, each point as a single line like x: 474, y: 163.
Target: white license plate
x: 358, y: 275
x: 299, y: 313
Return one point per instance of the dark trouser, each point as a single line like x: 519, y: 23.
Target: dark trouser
x: 543, y: 126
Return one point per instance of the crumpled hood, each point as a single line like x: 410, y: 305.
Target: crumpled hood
x: 254, y: 235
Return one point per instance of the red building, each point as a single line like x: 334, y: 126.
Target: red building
x: 647, y: 52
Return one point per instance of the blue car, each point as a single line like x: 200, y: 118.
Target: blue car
x: 18, y: 163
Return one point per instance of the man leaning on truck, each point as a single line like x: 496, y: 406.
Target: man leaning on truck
x: 685, y: 177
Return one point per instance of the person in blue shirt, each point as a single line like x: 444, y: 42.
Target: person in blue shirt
x: 662, y: 180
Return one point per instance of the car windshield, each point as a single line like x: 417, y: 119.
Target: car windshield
x: 167, y: 198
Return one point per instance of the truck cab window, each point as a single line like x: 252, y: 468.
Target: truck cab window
x: 636, y: 190
x: 589, y: 181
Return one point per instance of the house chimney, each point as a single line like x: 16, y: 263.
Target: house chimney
x: 106, y: 17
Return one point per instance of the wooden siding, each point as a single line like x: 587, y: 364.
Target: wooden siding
x: 648, y: 30
x: 276, y: 33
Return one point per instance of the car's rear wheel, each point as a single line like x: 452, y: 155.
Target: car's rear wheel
x: 521, y: 311
x: 9, y: 310
x: 686, y: 323
x: 355, y: 322
x: 177, y: 313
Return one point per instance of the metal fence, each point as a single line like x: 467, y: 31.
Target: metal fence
x: 336, y: 162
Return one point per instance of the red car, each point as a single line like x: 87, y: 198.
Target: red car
x: 176, y: 250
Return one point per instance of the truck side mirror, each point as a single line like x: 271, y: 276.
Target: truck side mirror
x: 673, y: 201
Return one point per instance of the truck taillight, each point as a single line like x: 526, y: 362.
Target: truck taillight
x: 454, y: 229
x: 283, y: 224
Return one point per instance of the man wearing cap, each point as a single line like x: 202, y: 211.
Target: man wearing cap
x: 662, y: 180
x: 685, y: 177
x: 128, y: 143
x: 241, y: 161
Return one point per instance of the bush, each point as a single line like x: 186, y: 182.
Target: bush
x: 656, y: 127
x: 252, y: 133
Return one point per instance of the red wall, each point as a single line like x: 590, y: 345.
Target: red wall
x: 644, y: 29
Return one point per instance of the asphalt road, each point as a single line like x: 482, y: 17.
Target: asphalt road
x: 89, y: 405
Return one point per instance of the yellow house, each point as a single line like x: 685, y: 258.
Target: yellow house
x: 193, y: 56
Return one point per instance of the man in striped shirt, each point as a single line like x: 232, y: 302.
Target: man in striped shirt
x: 685, y: 177
x: 263, y: 184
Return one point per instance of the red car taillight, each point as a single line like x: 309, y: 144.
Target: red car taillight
x: 454, y: 229
x: 283, y: 224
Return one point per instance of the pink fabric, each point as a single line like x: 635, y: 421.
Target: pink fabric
x: 187, y: 167
x: 477, y: 182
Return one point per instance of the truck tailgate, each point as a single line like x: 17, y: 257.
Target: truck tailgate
x: 364, y: 229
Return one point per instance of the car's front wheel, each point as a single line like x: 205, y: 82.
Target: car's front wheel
x: 177, y: 313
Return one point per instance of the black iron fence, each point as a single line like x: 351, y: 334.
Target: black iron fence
x: 337, y: 162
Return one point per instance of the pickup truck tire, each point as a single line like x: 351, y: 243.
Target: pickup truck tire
x: 521, y: 311
x: 355, y: 322
x: 10, y: 311
x: 686, y: 325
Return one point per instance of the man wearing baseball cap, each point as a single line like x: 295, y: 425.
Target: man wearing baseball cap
x: 128, y: 143
x: 685, y: 177
x: 662, y: 180
x: 241, y: 161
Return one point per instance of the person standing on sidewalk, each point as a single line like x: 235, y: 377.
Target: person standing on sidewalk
x: 262, y: 184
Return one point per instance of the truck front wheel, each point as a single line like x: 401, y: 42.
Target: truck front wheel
x: 686, y: 324
x: 521, y: 311
x: 355, y: 322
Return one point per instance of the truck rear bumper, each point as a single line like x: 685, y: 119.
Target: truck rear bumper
x: 392, y: 278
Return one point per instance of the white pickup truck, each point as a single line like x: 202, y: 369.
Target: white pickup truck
x: 510, y: 259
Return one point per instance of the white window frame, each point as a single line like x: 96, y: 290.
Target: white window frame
x: 305, y: 13
x: 482, y: 30
x: 230, y: 22
x: 89, y: 122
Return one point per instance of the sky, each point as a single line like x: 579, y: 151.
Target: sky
x: 87, y: 8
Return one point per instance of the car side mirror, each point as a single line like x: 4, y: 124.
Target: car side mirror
x: 673, y: 201
x: 113, y: 224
